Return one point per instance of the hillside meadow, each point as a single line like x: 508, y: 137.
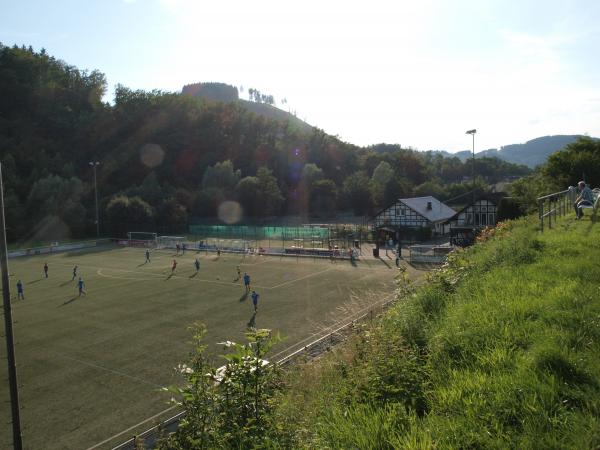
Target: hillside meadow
x: 500, y: 350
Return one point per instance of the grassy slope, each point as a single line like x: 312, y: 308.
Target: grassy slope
x: 502, y: 350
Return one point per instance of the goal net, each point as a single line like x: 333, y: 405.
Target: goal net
x: 169, y: 241
x: 141, y: 239
x: 228, y: 245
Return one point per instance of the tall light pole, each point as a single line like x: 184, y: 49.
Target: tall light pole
x: 94, y: 165
x: 472, y: 133
x: 10, y: 343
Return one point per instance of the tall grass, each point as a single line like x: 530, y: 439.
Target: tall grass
x: 500, y: 350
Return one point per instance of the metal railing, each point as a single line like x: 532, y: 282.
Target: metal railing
x: 555, y: 205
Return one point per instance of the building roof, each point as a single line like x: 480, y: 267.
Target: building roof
x: 439, y: 211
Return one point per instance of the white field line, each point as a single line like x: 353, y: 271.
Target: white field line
x: 106, y: 369
x: 301, y: 278
x: 131, y: 428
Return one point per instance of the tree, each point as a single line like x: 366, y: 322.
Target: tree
x: 247, y: 193
x: 228, y: 407
x: 323, y: 197
x: 357, y: 194
x: 269, y: 194
x: 124, y: 213
x: 172, y: 216
x: 310, y: 174
x: 382, y: 175
x: 579, y: 160
x: 433, y: 188
x: 221, y: 176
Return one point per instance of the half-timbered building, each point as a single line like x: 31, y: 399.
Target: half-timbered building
x: 478, y: 214
x: 416, y: 212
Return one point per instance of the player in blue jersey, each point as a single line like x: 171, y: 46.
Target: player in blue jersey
x: 81, y: 287
x: 255, y: 300
x: 20, y: 292
x: 247, y: 281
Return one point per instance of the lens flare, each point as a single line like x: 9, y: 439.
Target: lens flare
x: 152, y: 155
x: 230, y: 212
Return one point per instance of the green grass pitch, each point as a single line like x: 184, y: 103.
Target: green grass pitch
x: 91, y: 367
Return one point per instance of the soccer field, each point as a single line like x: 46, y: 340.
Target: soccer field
x: 91, y: 367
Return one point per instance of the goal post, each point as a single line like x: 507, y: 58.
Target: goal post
x: 142, y: 239
x: 163, y: 242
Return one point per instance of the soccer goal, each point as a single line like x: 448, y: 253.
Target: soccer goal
x: 169, y: 241
x: 229, y: 245
x: 142, y: 239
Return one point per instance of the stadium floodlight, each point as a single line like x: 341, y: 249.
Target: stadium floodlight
x: 95, y: 164
x: 472, y: 133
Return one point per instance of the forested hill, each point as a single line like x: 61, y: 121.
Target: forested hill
x: 229, y: 94
x: 167, y: 157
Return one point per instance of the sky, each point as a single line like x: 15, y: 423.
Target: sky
x: 417, y: 73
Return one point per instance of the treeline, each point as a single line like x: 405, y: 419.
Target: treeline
x: 166, y: 157
x: 578, y: 161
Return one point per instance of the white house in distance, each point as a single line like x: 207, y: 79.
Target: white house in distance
x: 416, y: 212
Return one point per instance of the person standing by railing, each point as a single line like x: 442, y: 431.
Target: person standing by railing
x: 585, y: 198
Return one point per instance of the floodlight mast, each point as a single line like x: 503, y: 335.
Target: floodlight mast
x: 95, y: 164
x: 10, y: 344
x: 472, y: 133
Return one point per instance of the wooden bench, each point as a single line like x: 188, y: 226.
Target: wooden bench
x: 594, y: 207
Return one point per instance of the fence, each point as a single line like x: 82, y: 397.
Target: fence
x: 57, y: 247
x: 555, y: 205
x: 306, y: 236
x: 429, y: 254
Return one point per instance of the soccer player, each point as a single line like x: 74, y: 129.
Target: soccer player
x: 81, y: 285
x: 218, y: 252
x: 247, y: 281
x: 20, y: 294
x: 197, y: 264
x: 46, y: 269
x: 178, y: 247
x: 174, y: 266
x: 255, y: 300
x: 147, y: 255
x: 239, y: 273
x: 74, y: 273
x: 183, y: 246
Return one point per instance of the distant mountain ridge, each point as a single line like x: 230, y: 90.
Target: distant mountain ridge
x: 532, y: 153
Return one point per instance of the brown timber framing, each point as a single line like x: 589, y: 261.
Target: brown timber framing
x: 400, y: 214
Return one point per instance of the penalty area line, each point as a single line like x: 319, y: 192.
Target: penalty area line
x: 285, y: 283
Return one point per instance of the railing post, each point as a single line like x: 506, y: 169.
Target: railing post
x: 541, y: 213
